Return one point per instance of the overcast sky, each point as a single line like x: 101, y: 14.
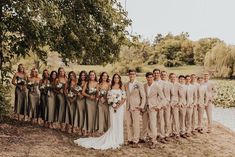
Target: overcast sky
x: 201, y: 18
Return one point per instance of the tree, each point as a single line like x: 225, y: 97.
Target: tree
x: 203, y: 46
x: 82, y: 31
x: 221, y: 60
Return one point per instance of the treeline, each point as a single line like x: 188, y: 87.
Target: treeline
x: 178, y: 50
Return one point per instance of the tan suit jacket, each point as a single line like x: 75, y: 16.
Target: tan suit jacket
x: 191, y: 95
x: 211, y: 90
x: 167, y: 90
x: 202, y: 95
x: 155, y: 97
x: 136, y: 97
x: 175, y: 94
x: 182, y: 95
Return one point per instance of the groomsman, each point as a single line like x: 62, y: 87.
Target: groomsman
x: 136, y: 99
x: 154, y: 98
x: 175, y: 105
x: 195, y: 107
x: 190, y: 103
x: 202, y: 101
x: 167, y: 91
x: 211, y: 92
x: 182, y: 104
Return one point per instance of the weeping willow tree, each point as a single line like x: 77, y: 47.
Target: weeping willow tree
x: 221, y: 59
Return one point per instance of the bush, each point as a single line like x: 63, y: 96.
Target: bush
x: 4, y: 100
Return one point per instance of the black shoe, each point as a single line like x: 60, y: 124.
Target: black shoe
x: 130, y: 142
x: 142, y: 141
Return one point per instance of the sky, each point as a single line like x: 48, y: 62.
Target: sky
x: 201, y: 18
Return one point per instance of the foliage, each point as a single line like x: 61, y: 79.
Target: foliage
x: 202, y: 46
x: 81, y: 31
x: 225, y: 93
x: 221, y: 59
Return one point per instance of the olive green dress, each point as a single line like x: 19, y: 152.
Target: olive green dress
x: 103, y: 117
x: 81, y: 114
x: 92, y: 108
x: 21, y: 104
x: 51, y: 104
x: 34, y: 100
x: 60, y: 105
x: 44, y: 102
x: 70, y: 108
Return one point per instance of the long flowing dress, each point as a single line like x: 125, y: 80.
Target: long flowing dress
x: 70, y: 107
x: 114, y: 137
x: 34, y: 100
x: 103, y: 114
x: 60, y: 103
x: 51, y: 103
x: 21, y: 104
x: 44, y: 101
x: 81, y: 113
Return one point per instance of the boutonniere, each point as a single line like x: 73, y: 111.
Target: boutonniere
x: 136, y: 86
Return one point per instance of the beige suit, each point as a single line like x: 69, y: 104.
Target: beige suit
x: 175, y: 108
x: 191, y: 101
x: 211, y: 92
x: 154, y: 98
x: 182, y: 103
x: 167, y: 91
x: 195, y: 108
x: 202, y: 101
x: 135, y: 98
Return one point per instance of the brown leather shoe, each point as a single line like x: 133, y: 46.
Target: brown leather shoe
x: 135, y: 145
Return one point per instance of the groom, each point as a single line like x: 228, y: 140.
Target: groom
x: 134, y: 107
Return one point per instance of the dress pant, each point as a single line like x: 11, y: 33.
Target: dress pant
x: 195, y: 118
x: 201, y: 110
x: 167, y: 120
x: 175, y: 120
x: 133, y: 125
x: 160, y: 123
x: 153, y: 125
x: 188, y: 120
x: 182, y: 116
x: 145, y: 125
x: 208, y: 109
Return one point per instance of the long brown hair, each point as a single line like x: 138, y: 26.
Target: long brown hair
x: 102, y: 74
x: 120, y: 81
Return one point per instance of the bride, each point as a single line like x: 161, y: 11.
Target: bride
x: 114, y: 137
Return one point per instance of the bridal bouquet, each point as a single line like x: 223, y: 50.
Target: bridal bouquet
x: 45, y: 86
x: 113, y: 99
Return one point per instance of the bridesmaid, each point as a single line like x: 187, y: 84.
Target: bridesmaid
x: 43, y: 86
x: 19, y: 80
x: 103, y: 87
x: 34, y: 95
x: 90, y: 92
x: 70, y: 89
x: 60, y: 97
x: 51, y: 99
x: 81, y: 114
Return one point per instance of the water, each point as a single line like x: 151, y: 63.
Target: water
x: 225, y: 116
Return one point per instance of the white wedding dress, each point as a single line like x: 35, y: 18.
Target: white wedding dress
x: 114, y: 137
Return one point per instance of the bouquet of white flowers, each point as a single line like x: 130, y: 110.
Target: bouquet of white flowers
x: 113, y: 99
x: 21, y: 81
x: 59, y: 85
x: 78, y: 89
x: 102, y: 93
x: 71, y: 94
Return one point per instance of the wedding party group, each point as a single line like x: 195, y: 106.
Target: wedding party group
x: 165, y: 106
